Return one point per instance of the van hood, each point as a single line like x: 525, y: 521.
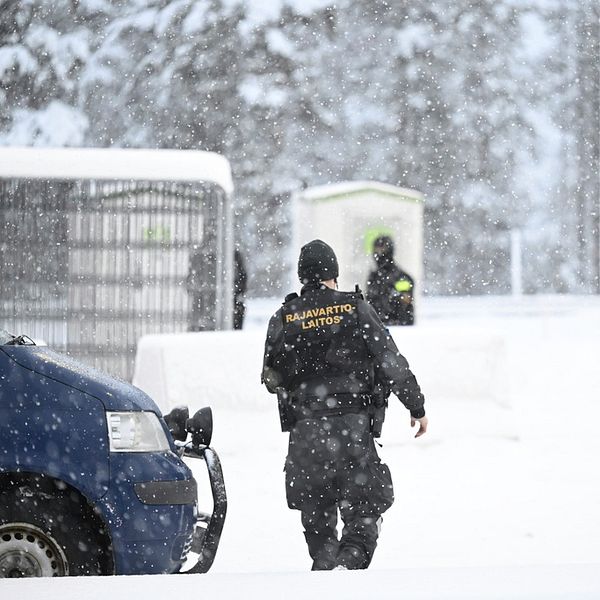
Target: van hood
x: 115, y: 394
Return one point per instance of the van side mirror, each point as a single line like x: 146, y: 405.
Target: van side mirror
x: 201, y: 426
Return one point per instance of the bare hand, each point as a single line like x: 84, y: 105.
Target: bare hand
x: 423, y: 422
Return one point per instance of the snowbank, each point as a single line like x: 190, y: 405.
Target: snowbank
x: 461, y: 368
x: 220, y: 368
x: 223, y: 368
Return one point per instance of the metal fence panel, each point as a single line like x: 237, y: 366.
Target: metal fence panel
x: 91, y: 266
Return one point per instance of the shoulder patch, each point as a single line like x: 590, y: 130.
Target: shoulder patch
x: 403, y: 285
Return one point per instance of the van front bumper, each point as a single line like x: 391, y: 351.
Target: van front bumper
x: 154, y: 524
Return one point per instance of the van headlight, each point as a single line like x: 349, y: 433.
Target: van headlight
x: 136, y: 432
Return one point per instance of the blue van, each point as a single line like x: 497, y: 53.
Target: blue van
x: 92, y: 479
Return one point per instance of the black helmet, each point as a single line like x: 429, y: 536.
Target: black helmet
x: 317, y: 262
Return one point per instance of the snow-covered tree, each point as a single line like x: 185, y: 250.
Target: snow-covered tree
x: 490, y: 108
x: 43, y: 50
x: 166, y: 74
x: 563, y: 41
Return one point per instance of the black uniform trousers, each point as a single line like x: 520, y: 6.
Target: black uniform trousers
x: 332, y: 465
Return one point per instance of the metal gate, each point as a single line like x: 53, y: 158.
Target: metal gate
x: 89, y: 266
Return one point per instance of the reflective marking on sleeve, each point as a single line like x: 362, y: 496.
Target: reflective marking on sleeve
x: 403, y: 285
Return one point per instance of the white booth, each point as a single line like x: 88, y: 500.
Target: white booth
x: 350, y: 215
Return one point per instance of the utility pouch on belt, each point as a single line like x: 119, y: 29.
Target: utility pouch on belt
x: 286, y: 413
x: 377, y: 407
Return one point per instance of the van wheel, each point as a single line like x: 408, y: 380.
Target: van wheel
x: 46, y: 535
x: 26, y: 551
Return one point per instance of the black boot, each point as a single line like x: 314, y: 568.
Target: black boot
x: 351, y: 558
x: 323, y: 551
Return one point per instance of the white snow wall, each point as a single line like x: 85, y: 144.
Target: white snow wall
x: 455, y: 366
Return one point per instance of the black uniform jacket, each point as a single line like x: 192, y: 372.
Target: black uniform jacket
x: 390, y: 291
x: 326, y: 343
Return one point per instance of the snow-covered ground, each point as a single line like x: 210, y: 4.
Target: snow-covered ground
x: 499, y: 500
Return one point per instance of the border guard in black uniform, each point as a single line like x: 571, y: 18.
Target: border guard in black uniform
x: 390, y: 290
x: 332, y: 364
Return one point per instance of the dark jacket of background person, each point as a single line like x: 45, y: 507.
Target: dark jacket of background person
x: 390, y: 290
x: 239, y: 290
x: 327, y: 349
x: 201, y: 285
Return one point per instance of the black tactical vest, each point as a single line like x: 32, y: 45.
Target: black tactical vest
x: 323, y: 342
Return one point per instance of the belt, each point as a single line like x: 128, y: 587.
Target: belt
x: 308, y: 407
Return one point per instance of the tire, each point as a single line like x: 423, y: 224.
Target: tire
x: 46, y: 531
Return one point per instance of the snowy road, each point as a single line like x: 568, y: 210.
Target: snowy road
x: 489, y: 485
x: 574, y: 582
x: 496, y: 501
